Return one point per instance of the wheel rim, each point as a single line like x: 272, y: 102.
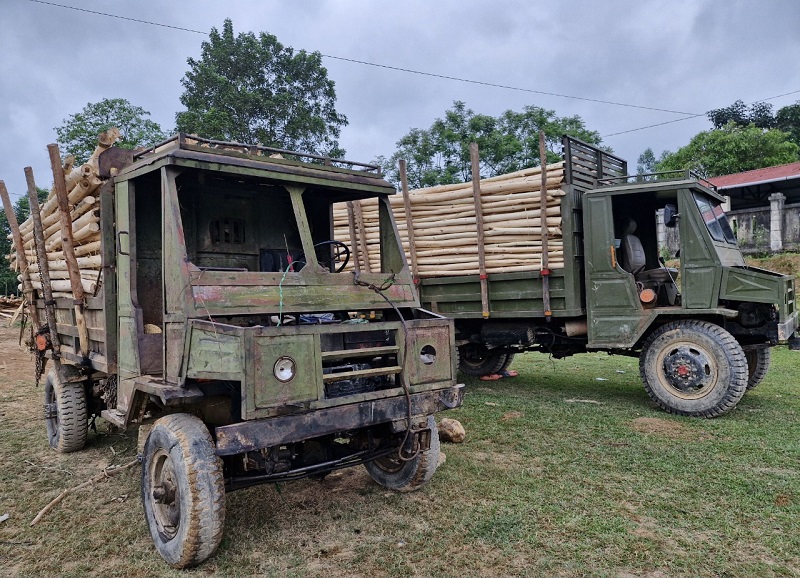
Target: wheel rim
x: 687, y: 370
x: 390, y: 464
x: 51, y: 412
x: 165, y: 495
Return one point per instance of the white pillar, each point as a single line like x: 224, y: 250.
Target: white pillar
x: 776, y: 201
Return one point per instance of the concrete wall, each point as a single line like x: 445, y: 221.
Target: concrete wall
x: 771, y: 229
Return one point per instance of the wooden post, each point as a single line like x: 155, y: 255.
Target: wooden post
x: 60, y: 188
x: 476, y: 196
x: 27, y: 288
x: 351, y: 221
x: 362, y: 234
x: 545, y: 258
x: 412, y: 246
x: 44, y: 270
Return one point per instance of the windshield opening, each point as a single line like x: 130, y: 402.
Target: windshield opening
x: 715, y: 219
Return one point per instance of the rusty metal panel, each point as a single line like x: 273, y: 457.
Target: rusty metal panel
x: 428, y: 355
x: 214, y: 355
x: 264, y: 390
x: 263, y: 433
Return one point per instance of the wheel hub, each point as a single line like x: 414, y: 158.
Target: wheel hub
x: 687, y: 369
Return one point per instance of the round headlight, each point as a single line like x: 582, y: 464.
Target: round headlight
x: 284, y: 369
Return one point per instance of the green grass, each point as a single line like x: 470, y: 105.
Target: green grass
x: 546, y: 483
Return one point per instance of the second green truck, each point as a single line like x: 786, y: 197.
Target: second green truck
x: 702, y: 328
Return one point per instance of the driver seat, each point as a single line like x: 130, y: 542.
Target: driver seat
x: 633, y: 256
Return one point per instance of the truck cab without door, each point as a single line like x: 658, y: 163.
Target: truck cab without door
x: 227, y: 324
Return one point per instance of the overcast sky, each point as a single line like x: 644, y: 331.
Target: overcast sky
x: 687, y: 56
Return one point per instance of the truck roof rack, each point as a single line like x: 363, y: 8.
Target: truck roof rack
x: 182, y: 140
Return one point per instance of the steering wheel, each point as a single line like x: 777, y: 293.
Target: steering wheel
x: 340, y: 251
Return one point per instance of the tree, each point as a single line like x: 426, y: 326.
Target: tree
x: 732, y: 149
x: 8, y: 278
x: 78, y: 135
x: 507, y: 143
x: 758, y: 113
x: 253, y: 89
x: 787, y: 119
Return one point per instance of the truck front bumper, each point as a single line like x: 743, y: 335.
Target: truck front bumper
x: 275, y: 431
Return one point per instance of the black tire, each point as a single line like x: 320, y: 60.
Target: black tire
x: 183, y: 490
x: 758, y: 361
x: 693, y: 368
x: 395, y: 474
x: 65, y: 415
x: 509, y: 360
x: 476, y: 360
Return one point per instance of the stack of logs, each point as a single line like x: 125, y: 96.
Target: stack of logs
x: 82, y: 184
x: 445, y: 230
x: 9, y: 306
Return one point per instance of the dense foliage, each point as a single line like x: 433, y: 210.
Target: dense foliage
x: 509, y: 142
x: 253, y: 89
x: 78, y: 135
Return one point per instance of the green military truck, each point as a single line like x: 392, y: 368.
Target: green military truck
x: 222, y: 317
x: 702, y: 330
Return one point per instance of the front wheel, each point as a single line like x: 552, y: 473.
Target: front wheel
x: 476, y: 360
x: 758, y: 361
x: 65, y: 415
x: 694, y: 368
x: 183, y: 490
x: 405, y: 476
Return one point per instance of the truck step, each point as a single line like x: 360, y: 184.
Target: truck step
x: 341, y: 354
x: 361, y: 373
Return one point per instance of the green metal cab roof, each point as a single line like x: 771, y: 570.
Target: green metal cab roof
x: 623, y: 185
x: 338, y: 177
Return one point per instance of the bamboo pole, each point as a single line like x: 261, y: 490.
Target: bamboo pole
x: 27, y: 288
x: 409, y: 220
x: 545, y: 233
x: 476, y: 195
x: 60, y: 188
x: 361, y: 235
x: 351, y: 221
x: 44, y: 272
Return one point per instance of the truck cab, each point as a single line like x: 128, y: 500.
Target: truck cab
x: 227, y: 327
x: 629, y: 285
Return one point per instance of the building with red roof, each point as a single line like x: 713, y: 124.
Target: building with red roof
x: 764, y: 207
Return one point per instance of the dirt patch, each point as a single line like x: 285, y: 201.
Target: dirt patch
x: 664, y: 428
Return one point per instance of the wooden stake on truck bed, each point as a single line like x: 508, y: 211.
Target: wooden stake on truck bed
x: 476, y: 195
x: 60, y: 188
x: 412, y: 246
x: 44, y: 271
x: 548, y: 314
x: 27, y: 287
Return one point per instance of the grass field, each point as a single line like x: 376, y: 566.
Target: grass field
x: 567, y: 470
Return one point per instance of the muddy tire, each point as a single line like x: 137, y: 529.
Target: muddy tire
x: 758, y: 361
x: 395, y: 474
x: 693, y: 368
x: 65, y: 415
x: 183, y: 491
x: 474, y: 359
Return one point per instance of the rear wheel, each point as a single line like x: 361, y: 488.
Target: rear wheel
x: 65, y: 414
x: 694, y: 368
x: 183, y: 490
x: 758, y: 361
x: 508, y: 361
x: 405, y: 476
x: 475, y: 359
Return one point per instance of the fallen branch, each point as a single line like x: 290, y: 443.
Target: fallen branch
x: 104, y: 475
